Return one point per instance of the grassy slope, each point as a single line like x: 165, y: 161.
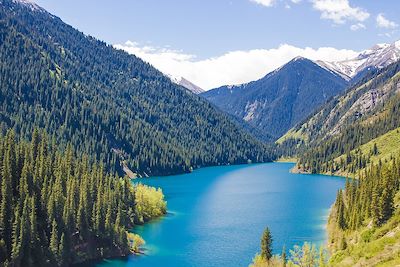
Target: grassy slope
x: 388, y: 145
x: 292, y: 134
x: 302, y: 131
x: 369, y: 246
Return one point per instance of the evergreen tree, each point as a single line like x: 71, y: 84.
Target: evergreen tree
x: 266, y: 244
x: 6, y: 202
x: 54, y: 241
x: 58, y: 216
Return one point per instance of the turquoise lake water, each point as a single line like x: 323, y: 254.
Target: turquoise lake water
x: 216, y: 215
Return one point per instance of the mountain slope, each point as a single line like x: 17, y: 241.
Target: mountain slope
x: 367, y: 111
x: 187, y: 84
x: 379, y: 56
x: 108, y: 104
x: 282, y: 98
x: 357, y: 135
x: 365, y: 101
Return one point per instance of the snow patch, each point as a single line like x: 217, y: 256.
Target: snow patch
x: 29, y: 4
x: 379, y: 56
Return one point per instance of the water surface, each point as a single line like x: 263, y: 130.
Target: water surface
x: 216, y: 215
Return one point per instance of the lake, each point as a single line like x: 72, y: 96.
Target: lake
x: 216, y: 215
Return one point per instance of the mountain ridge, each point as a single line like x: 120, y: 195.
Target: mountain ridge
x: 378, y: 56
x: 281, y: 98
x: 187, y: 84
x: 84, y: 92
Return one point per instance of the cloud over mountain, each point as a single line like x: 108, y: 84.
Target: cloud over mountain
x: 235, y: 67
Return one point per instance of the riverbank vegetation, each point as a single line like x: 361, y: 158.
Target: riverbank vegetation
x: 364, y: 225
x: 57, y: 209
x: 307, y: 255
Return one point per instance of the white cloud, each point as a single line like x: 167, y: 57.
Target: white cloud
x: 383, y: 22
x: 296, y: 1
x: 357, y: 26
x: 234, y: 67
x: 339, y: 11
x: 267, y: 3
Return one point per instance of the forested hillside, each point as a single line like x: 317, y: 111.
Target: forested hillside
x: 335, y: 134
x: 357, y: 135
x: 108, y: 104
x: 365, y: 220
x: 58, y: 209
x: 329, y: 140
x: 357, y: 103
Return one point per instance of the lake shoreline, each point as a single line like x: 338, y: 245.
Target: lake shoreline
x: 218, y: 182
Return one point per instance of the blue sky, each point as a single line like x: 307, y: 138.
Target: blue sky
x: 194, y: 30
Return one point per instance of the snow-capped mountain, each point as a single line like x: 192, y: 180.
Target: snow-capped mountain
x: 282, y: 98
x: 379, y: 56
x: 29, y: 4
x: 187, y: 84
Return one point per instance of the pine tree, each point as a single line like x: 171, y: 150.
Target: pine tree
x: 16, y: 244
x: 74, y: 205
x: 340, y: 210
x: 266, y: 244
x: 375, y: 149
x: 6, y: 203
x: 63, y: 251
x: 385, y: 206
x: 24, y: 238
x: 34, y: 235
x: 54, y: 241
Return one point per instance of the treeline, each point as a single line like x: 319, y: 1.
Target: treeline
x: 57, y: 209
x: 84, y: 92
x: 370, y: 198
x: 320, y: 157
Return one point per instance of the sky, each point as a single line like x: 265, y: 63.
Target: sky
x: 218, y: 42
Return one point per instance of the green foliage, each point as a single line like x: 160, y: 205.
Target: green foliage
x: 300, y: 256
x: 343, y: 112
x: 349, y: 151
x: 58, y: 209
x: 150, y: 203
x: 266, y: 244
x: 106, y: 103
x: 366, y: 236
x: 135, y: 241
x: 307, y: 255
x: 370, y: 197
x: 370, y: 235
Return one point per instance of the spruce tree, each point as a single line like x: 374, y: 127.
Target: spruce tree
x: 54, y: 241
x: 266, y: 244
x: 6, y: 204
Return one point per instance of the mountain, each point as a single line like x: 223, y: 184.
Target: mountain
x: 282, y: 98
x: 357, y: 134
x: 368, y: 103
x: 187, y: 84
x: 107, y: 104
x: 379, y: 56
